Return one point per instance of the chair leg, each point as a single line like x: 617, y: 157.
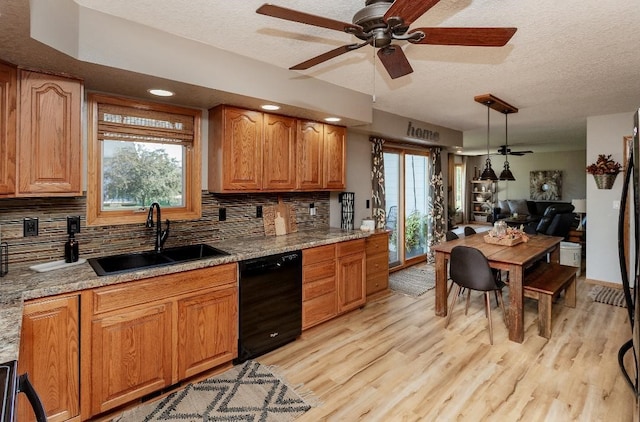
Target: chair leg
x: 466, y: 308
x: 455, y: 299
x: 504, y: 313
x: 487, y: 303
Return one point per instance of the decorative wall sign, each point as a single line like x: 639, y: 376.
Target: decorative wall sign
x: 545, y: 185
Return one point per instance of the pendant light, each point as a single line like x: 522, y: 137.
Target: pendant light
x: 506, y: 172
x: 503, y: 107
x: 488, y: 173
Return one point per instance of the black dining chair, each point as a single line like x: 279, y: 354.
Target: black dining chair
x: 449, y: 235
x: 468, y: 231
x: 469, y: 269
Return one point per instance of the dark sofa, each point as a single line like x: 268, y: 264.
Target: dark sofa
x: 548, y: 217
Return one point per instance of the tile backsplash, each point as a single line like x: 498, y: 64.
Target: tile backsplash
x: 95, y: 241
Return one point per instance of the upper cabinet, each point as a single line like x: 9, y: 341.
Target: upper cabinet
x: 49, y: 135
x: 40, y: 135
x: 250, y: 151
x: 8, y: 105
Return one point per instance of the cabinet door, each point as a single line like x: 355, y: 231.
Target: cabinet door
x: 351, y: 275
x: 309, y: 155
x: 131, y: 355
x: 335, y: 150
x: 49, y: 147
x: 49, y: 354
x: 207, y: 331
x: 242, y: 150
x: 279, y: 164
x: 8, y: 94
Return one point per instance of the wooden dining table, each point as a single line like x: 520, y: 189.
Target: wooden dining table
x: 513, y: 259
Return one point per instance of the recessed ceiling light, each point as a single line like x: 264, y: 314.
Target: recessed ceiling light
x: 270, y: 107
x: 332, y: 119
x: 161, y: 92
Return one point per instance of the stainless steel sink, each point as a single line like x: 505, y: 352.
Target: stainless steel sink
x: 116, y: 264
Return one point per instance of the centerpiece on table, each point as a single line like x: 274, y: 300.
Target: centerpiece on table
x: 604, y: 171
x: 501, y: 234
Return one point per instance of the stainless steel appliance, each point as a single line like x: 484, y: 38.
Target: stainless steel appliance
x: 629, y: 265
x: 10, y: 386
x: 270, y: 311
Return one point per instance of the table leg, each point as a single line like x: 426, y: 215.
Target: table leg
x: 516, y: 298
x: 554, y: 255
x: 441, y: 284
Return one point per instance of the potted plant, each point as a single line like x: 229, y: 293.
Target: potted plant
x: 604, y: 171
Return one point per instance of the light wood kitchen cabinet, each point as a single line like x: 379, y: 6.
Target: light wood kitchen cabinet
x: 204, y: 346
x: 235, y: 149
x: 49, y: 158
x: 49, y: 353
x: 250, y: 151
x: 8, y: 126
x: 319, y: 294
x: 310, y: 146
x: 335, y: 156
x: 351, y: 275
x: 279, y: 152
x: 147, y: 334
x: 377, y: 249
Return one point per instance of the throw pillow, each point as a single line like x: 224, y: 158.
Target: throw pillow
x: 504, y: 207
x: 518, y: 206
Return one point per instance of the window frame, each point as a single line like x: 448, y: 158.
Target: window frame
x: 192, y: 208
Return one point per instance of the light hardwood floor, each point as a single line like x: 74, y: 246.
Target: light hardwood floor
x: 393, y: 360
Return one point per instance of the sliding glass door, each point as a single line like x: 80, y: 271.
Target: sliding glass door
x: 406, y: 196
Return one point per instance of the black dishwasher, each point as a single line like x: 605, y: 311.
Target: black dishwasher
x: 270, y: 313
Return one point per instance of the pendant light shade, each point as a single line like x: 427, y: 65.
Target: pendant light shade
x: 488, y: 173
x: 506, y: 172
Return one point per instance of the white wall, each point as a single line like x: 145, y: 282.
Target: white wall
x: 358, y: 179
x: 572, y: 164
x: 604, y: 136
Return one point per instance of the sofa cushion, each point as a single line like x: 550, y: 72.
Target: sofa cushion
x: 503, y: 204
x: 518, y: 206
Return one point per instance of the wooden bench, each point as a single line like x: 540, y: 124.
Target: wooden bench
x: 544, y: 283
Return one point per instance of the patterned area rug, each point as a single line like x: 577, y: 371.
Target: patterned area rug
x: 608, y: 295
x: 248, y: 392
x: 413, y: 281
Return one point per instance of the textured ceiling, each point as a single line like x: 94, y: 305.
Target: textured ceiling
x: 568, y: 60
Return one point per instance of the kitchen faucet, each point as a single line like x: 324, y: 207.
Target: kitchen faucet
x: 161, y: 235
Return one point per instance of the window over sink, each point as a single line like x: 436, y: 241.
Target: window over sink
x: 140, y: 153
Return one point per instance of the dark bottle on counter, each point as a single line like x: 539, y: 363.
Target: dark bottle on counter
x: 71, y: 250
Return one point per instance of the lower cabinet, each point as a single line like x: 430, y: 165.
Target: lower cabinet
x: 333, y: 280
x: 148, y: 334
x: 49, y: 353
x: 352, y: 261
x: 377, y: 263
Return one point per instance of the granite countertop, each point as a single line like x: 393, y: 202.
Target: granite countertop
x: 16, y: 287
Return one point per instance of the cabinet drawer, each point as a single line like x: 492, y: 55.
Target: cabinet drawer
x: 157, y: 288
x: 378, y: 263
x: 319, y: 309
x: 318, y: 288
x: 352, y: 246
x: 318, y: 271
x: 318, y: 254
x: 377, y: 243
x: 377, y: 282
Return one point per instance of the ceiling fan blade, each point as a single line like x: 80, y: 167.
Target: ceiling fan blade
x: 478, y: 37
x: 309, y: 19
x: 327, y: 56
x: 409, y: 10
x: 394, y: 61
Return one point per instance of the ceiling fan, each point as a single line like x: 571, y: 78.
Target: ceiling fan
x: 382, y: 21
x: 504, y: 150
